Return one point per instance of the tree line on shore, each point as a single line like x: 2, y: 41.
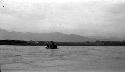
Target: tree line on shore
x: 43, y: 43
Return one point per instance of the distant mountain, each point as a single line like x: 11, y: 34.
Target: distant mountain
x: 111, y: 38
x: 55, y: 36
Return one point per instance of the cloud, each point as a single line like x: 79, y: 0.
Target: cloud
x: 115, y: 19
x: 83, y: 18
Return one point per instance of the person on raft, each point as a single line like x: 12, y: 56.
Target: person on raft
x: 51, y: 45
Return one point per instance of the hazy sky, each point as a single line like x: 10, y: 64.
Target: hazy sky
x: 83, y: 17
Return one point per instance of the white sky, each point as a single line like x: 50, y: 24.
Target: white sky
x: 83, y: 17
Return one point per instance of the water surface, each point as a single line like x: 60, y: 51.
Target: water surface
x: 64, y: 59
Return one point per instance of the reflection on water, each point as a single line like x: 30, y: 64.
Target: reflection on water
x: 66, y: 58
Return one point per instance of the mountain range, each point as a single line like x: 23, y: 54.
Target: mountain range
x: 55, y: 36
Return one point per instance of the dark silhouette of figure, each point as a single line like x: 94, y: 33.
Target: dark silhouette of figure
x: 47, y: 45
x: 51, y: 45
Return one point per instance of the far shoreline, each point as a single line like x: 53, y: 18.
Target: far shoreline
x: 43, y: 43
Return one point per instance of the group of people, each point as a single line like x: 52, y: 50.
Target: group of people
x: 51, y: 45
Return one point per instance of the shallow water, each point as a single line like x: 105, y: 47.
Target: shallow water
x: 64, y: 59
